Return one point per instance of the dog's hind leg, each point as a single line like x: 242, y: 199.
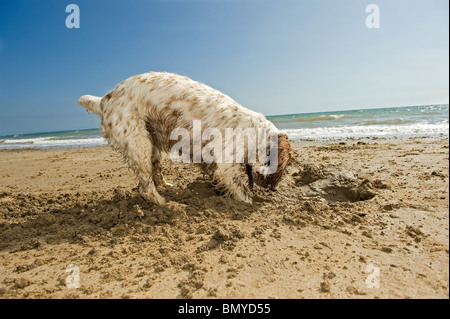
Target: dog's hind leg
x: 138, y: 152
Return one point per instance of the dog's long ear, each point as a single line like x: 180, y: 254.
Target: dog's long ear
x: 284, y: 157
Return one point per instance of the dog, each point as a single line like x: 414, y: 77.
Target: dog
x: 139, y: 115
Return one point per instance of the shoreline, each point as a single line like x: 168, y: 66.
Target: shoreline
x: 312, y: 238
x: 295, y: 141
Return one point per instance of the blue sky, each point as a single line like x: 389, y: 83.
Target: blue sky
x: 272, y: 56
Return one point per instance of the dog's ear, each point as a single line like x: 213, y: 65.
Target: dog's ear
x: 284, y: 157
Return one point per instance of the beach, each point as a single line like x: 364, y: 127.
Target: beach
x: 352, y: 218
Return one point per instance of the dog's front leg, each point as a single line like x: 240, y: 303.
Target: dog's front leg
x: 158, y: 177
x: 229, y: 179
x: 148, y: 191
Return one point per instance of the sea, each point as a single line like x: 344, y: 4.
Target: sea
x: 391, y: 123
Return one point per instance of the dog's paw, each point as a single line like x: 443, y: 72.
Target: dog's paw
x: 257, y: 199
x: 154, y: 198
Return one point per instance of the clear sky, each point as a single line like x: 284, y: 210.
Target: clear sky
x: 272, y: 56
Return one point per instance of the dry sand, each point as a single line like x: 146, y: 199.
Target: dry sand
x: 341, y: 207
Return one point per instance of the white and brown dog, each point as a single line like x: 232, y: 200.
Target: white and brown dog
x: 139, y: 115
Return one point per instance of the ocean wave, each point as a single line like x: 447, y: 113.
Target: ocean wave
x: 357, y: 131
x: 386, y: 122
x: 51, y: 142
x: 331, y: 117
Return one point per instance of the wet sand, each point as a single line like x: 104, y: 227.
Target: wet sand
x: 344, y: 212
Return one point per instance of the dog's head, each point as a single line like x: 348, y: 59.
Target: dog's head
x: 269, y: 174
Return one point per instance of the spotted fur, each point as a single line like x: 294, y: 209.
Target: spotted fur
x: 139, y: 114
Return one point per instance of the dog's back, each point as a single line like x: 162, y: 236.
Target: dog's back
x: 160, y: 95
x: 164, y: 101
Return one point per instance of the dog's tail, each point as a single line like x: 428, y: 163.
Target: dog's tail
x: 91, y: 103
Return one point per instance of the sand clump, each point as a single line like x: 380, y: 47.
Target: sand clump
x: 339, y: 209
x: 334, y: 184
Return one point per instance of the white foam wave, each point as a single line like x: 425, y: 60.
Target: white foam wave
x: 51, y: 142
x: 388, y: 131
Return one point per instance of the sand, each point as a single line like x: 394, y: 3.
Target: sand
x: 345, y: 214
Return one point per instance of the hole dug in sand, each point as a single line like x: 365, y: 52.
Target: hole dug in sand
x: 333, y: 184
